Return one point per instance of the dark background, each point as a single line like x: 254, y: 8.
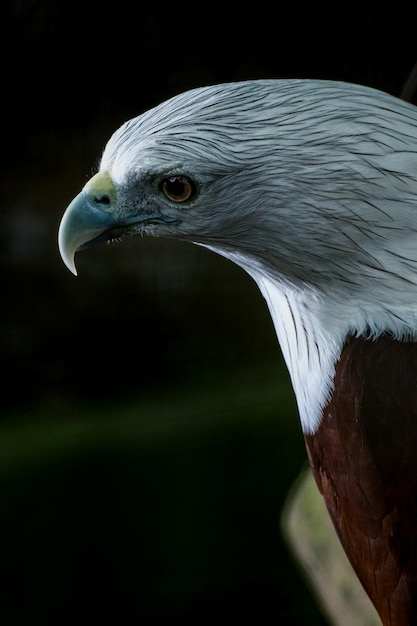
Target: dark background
x: 148, y: 433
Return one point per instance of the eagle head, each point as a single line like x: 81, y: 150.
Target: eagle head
x: 310, y: 186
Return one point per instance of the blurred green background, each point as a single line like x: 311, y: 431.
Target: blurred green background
x: 148, y: 432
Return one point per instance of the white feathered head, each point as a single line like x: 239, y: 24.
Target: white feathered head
x: 311, y: 186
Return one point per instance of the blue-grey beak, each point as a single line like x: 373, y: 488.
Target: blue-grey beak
x: 87, y: 219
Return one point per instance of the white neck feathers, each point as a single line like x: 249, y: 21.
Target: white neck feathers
x: 312, y: 328
x: 309, y: 350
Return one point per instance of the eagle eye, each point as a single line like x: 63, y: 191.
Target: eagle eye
x: 178, y: 188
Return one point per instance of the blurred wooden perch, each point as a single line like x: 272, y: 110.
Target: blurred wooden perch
x: 308, y: 529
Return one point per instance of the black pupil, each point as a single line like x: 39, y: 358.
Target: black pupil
x: 176, y: 186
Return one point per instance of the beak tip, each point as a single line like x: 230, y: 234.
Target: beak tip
x: 72, y: 268
x: 67, y: 254
x: 69, y: 261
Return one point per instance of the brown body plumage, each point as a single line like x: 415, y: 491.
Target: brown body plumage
x: 364, y: 458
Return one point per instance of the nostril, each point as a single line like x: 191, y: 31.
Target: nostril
x: 102, y: 199
x: 100, y: 192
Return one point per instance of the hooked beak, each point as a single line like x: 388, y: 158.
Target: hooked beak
x: 88, y: 219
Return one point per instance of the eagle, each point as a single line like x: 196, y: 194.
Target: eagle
x: 311, y: 187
